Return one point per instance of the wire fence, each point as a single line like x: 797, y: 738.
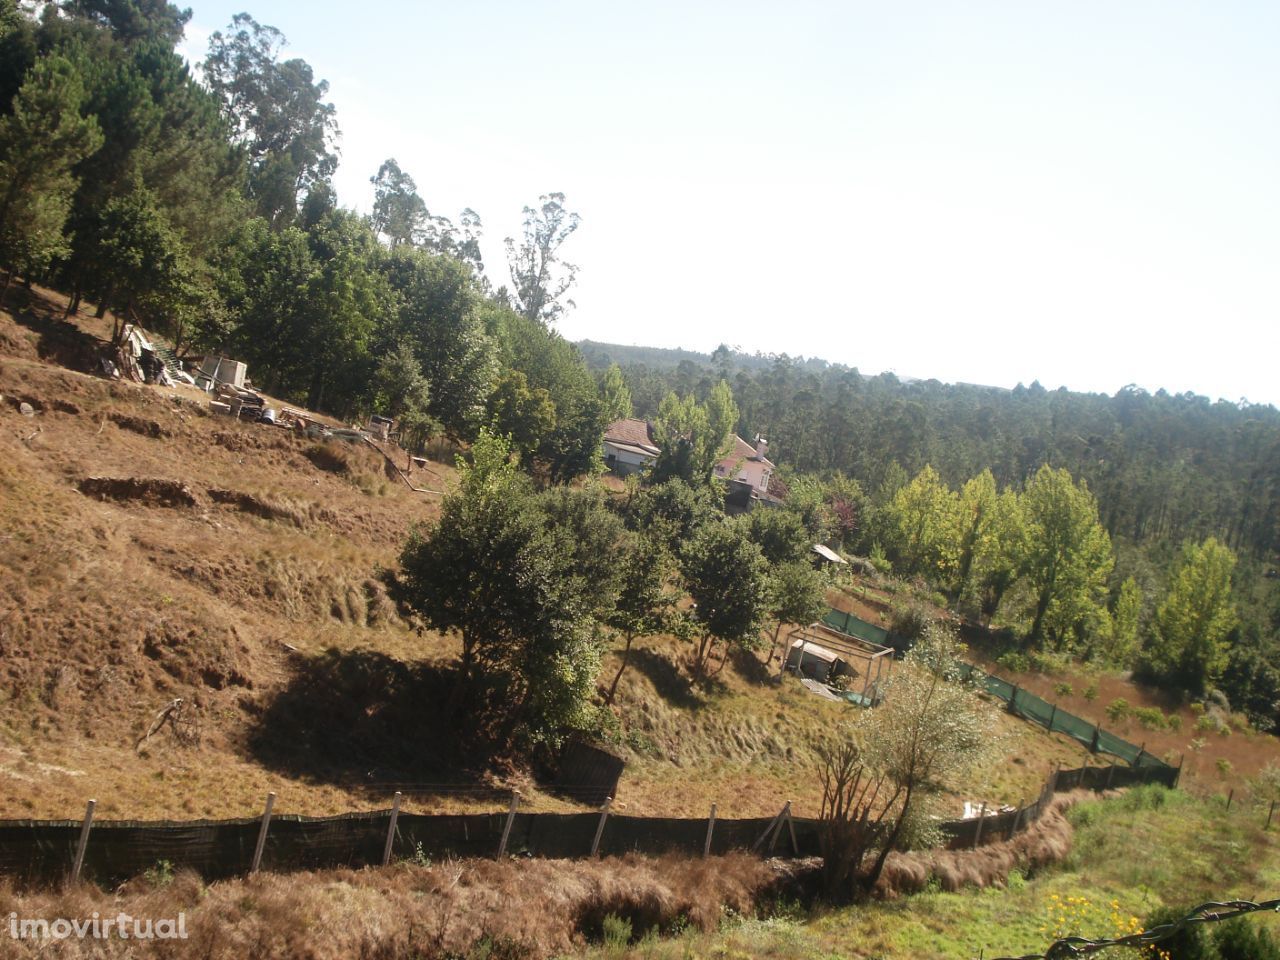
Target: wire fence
x: 1021, y: 703
x: 40, y: 852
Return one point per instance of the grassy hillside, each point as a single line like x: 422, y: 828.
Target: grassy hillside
x: 156, y: 552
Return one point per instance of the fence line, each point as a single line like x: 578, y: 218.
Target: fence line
x: 1019, y: 702
x: 35, y: 851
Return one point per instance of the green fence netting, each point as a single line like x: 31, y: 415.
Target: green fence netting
x: 1020, y: 702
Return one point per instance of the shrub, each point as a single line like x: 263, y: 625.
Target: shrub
x: 1046, y: 661
x: 1224, y: 767
x: 1063, y: 689
x: 1014, y: 661
x: 1118, y: 709
x: 1243, y: 940
x: 1212, y: 723
x: 1189, y: 943
x: 617, y: 931
x: 1091, y: 691
x: 1174, y: 720
x: 1197, y: 708
x: 1151, y: 718
x: 909, y: 619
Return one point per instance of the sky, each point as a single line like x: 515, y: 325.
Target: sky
x: 1086, y: 194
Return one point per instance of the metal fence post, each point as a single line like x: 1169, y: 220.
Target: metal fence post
x: 711, y: 825
x: 506, y: 829
x: 1230, y: 793
x: 1269, y: 815
x: 84, y: 840
x: 262, y: 833
x: 391, y: 829
x: 604, y: 815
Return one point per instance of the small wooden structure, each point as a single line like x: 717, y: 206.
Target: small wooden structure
x: 822, y: 653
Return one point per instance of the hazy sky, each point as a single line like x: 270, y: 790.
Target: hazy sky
x: 1083, y: 193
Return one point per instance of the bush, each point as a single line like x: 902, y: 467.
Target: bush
x: 1091, y: 691
x: 1118, y: 709
x: 1245, y: 940
x: 1197, y: 708
x: 1014, y: 661
x: 1048, y: 662
x: 1063, y: 689
x: 1189, y: 943
x: 1224, y: 767
x: 1174, y: 720
x: 909, y: 619
x: 1151, y: 718
x: 617, y: 931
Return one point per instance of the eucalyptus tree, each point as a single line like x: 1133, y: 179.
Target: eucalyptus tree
x: 539, y: 276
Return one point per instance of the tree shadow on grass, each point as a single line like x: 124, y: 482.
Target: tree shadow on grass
x: 60, y: 342
x: 672, y: 685
x: 366, y: 721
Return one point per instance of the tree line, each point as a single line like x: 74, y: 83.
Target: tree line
x: 204, y: 209
x: 1139, y: 530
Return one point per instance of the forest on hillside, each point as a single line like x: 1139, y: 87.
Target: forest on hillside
x: 1161, y: 496
x: 204, y: 210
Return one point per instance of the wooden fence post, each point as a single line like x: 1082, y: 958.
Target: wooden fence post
x: 982, y: 817
x: 772, y: 829
x: 1230, y: 793
x: 1017, y: 818
x: 506, y: 828
x: 604, y: 815
x: 784, y: 816
x: 1111, y: 772
x: 1053, y: 715
x: 262, y: 833
x: 1177, y: 777
x: 1269, y: 815
x: 391, y: 829
x: 711, y: 825
x: 84, y: 840
x: 1013, y: 696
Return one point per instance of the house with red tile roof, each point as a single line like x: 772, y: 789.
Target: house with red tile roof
x: 629, y: 446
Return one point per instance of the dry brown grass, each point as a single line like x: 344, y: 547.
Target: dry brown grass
x: 535, y: 908
x: 1046, y: 842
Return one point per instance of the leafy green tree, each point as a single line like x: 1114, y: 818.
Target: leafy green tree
x: 277, y: 111
x: 1067, y: 554
x: 1188, y: 644
x: 1126, y: 617
x: 646, y: 604
x: 727, y: 577
x: 922, y: 521
x: 493, y: 572
x: 525, y: 415
x: 573, y: 446
x: 400, y: 389
x: 440, y: 315
x: 780, y: 535
x: 692, y: 437
x: 672, y: 512
x: 540, y: 278
x: 41, y: 140
x: 615, y: 398
x: 797, y: 593
x: 144, y: 261
x: 975, y: 511
x: 997, y: 553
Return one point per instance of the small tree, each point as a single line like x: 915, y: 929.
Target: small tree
x: 726, y: 576
x: 797, y: 594
x: 645, y: 603
x: 495, y: 571
x: 880, y: 777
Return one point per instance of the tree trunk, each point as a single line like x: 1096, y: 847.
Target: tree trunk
x: 8, y: 279
x: 626, y: 659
